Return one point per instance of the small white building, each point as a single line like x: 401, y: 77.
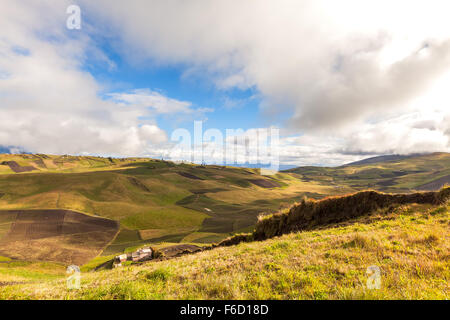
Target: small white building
x: 140, y: 255
x: 143, y: 254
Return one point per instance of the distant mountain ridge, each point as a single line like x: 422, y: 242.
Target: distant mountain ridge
x: 384, y: 158
x: 389, y: 173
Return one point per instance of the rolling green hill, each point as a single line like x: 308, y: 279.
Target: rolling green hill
x: 158, y: 201
x: 388, y: 174
x: 154, y: 201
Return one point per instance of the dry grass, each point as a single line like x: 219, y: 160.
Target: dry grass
x: 311, y: 213
x: 410, y: 244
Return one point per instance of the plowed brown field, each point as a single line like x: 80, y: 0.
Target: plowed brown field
x: 56, y: 235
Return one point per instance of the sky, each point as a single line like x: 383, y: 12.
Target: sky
x: 341, y: 80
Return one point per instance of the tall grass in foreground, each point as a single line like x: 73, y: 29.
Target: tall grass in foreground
x: 311, y: 213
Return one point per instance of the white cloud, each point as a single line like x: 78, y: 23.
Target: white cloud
x: 153, y: 134
x: 343, y: 69
x: 145, y: 98
x: 50, y: 104
x: 358, y: 77
x: 417, y: 132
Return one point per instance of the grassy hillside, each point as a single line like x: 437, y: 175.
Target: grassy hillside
x: 154, y: 201
x: 162, y: 202
x: 389, y: 174
x: 11, y: 163
x: 408, y: 242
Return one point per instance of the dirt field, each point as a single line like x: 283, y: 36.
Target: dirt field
x: 137, y: 183
x: 264, y: 183
x: 436, y: 184
x: 40, y: 163
x: 56, y: 235
x: 189, y: 176
x: 17, y: 168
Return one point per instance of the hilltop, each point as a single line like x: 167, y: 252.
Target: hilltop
x: 385, y: 173
x: 385, y: 158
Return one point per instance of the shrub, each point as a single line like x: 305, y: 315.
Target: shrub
x: 157, y: 275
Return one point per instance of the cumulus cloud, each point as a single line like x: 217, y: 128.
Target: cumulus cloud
x: 357, y: 77
x: 145, y: 98
x: 152, y: 134
x: 405, y: 134
x: 359, y: 86
x: 336, y: 67
x: 50, y: 104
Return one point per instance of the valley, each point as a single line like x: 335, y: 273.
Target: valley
x: 63, y: 210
